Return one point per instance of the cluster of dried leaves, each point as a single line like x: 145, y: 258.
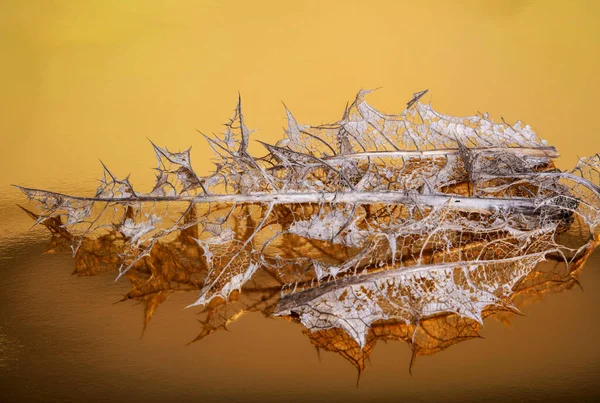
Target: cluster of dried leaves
x: 409, y: 227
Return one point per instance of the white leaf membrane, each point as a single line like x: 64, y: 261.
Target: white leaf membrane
x: 415, y: 214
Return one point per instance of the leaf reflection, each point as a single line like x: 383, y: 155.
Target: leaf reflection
x: 175, y: 266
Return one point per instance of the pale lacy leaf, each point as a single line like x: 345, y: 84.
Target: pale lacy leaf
x: 404, y: 216
x: 411, y: 295
x: 175, y: 173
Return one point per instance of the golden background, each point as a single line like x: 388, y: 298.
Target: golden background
x: 83, y: 80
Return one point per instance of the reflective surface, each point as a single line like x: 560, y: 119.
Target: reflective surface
x: 88, y: 81
x: 63, y: 338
